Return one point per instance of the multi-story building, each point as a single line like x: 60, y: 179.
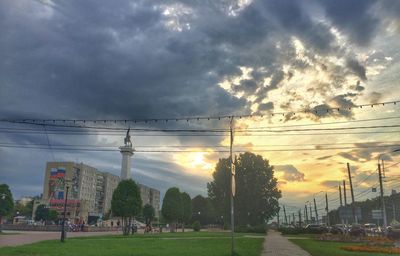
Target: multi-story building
x: 150, y: 196
x: 90, y: 191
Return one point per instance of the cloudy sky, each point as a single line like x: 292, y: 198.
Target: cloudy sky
x: 97, y: 59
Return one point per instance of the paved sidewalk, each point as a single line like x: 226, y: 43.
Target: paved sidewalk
x: 277, y: 245
x: 29, y: 237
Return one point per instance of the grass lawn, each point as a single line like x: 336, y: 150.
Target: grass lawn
x: 189, y: 243
x: 318, y: 248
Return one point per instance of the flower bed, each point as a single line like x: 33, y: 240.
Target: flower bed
x: 371, y: 249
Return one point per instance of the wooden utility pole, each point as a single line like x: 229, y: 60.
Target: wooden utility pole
x: 284, y: 212
x: 340, y: 195
x: 352, y: 195
x: 279, y: 223
x: 310, y: 213
x: 327, y: 210
x: 382, y: 198
x: 344, y: 193
x: 306, y: 214
x: 300, y: 224
x: 316, y: 211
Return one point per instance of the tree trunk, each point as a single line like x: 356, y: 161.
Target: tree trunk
x: 172, y: 227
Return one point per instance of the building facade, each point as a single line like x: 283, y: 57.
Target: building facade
x: 90, y: 191
x: 89, y: 194
x: 150, y: 196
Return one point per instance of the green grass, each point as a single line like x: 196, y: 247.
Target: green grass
x: 325, y: 248
x: 179, y: 244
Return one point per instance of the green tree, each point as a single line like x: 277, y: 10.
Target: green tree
x: 52, y: 215
x: 42, y: 212
x: 256, y: 199
x: 186, y: 209
x: 172, y: 207
x: 6, y: 201
x: 148, y: 213
x: 126, y: 203
x: 203, y: 210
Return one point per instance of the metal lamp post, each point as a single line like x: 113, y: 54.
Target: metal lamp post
x: 64, y: 215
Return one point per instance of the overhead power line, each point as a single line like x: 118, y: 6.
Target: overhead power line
x: 193, y: 151
x: 198, y: 118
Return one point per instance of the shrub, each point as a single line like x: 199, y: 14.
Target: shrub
x: 292, y: 230
x: 260, y: 229
x: 196, y: 226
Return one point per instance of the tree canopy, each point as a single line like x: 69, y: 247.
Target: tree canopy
x: 203, y: 210
x: 172, y: 207
x: 256, y: 199
x: 148, y: 213
x: 126, y: 203
x: 187, y: 207
x: 6, y: 201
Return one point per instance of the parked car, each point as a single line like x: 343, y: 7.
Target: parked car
x: 393, y: 232
x: 315, y: 229
x: 339, y: 229
x: 357, y: 230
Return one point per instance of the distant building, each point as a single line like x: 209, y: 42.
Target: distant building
x: 150, y: 196
x: 90, y: 191
x: 24, y: 200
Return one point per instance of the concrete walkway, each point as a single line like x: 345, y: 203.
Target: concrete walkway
x: 29, y: 237
x: 277, y: 245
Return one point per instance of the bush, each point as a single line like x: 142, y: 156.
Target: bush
x: 292, y: 230
x: 260, y: 229
x: 196, y: 226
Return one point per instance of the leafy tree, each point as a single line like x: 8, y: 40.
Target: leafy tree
x: 24, y: 210
x: 42, y: 212
x: 126, y: 203
x: 6, y: 201
x: 186, y: 209
x: 256, y: 199
x: 203, y: 210
x: 172, y: 207
x: 148, y: 213
x: 52, y: 215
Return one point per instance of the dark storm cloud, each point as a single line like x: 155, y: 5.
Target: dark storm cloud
x: 357, y: 68
x: 330, y: 183
x: 353, y: 17
x: 130, y: 59
x: 290, y: 173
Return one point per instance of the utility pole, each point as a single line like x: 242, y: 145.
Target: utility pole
x: 306, y: 214
x: 289, y: 219
x: 294, y: 219
x: 310, y: 213
x: 233, y: 187
x: 352, y: 195
x: 340, y: 196
x: 394, y: 211
x: 344, y: 193
x: 327, y: 210
x: 284, y: 212
x: 316, y: 211
x: 382, y: 198
x: 300, y: 218
x: 278, y: 218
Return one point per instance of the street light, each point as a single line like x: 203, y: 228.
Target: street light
x: 65, y: 211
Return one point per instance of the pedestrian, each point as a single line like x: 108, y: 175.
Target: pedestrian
x: 112, y: 224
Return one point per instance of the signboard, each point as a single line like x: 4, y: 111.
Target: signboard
x: 377, y: 214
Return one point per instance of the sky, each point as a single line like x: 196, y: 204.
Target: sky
x: 98, y: 59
